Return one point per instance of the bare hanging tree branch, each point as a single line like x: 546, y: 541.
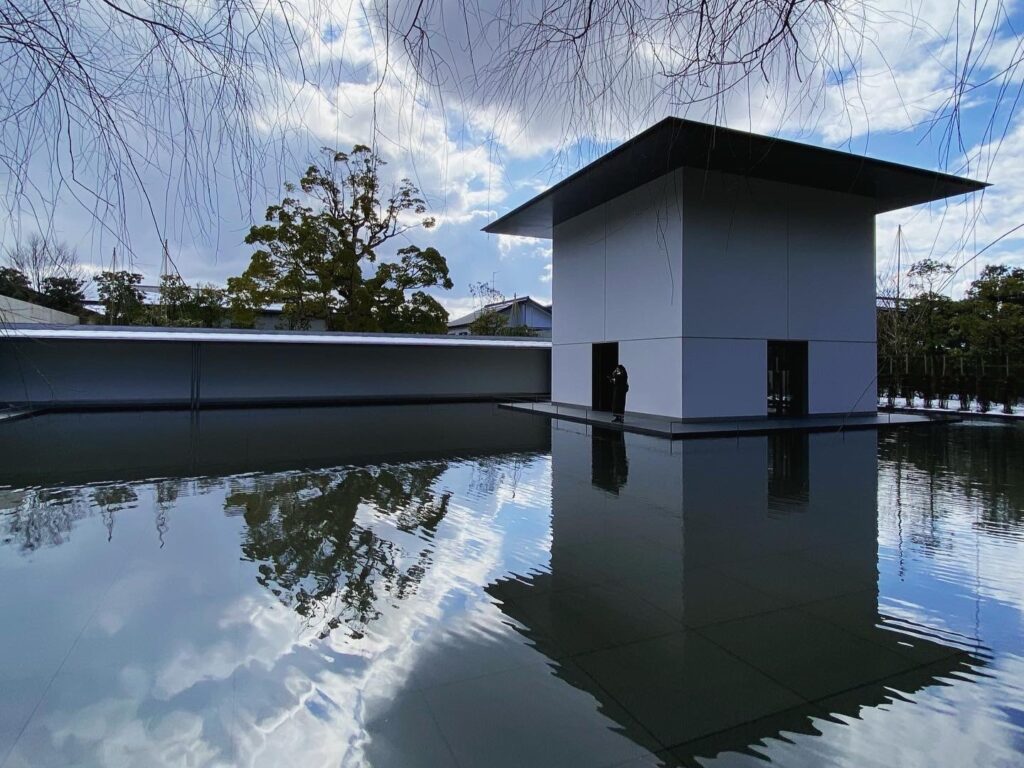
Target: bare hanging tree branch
x: 106, y: 101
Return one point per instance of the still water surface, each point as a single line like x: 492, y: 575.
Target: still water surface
x: 464, y: 586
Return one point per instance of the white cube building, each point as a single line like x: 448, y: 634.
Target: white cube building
x: 732, y: 274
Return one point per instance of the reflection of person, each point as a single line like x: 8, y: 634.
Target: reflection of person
x: 620, y: 386
x: 609, y: 465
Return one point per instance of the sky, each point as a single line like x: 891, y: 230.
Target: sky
x: 479, y: 141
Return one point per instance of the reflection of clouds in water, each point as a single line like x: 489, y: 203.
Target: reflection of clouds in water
x: 331, y: 709
x: 124, y: 738
x: 236, y: 676
x: 946, y: 724
x: 938, y: 541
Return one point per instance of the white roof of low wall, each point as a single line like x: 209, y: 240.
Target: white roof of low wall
x: 140, y: 333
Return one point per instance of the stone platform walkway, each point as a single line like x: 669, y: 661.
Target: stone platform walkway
x: 676, y: 429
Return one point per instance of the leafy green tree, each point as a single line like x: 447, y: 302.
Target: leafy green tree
x: 319, y: 253
x: 208, y: 306
x: 994, y: 328
x: 65, y: 294
x: 246, y: 296
x: 175, y: 296
x: 487, y: 322
x: 185, y: 306
x: 14, y: 284
x: 121, y: 298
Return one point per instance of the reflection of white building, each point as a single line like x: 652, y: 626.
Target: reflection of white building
x: 732, y: 274
x: 723, y: 585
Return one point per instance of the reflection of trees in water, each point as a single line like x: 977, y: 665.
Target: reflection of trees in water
x: 923, y: 467
x: 34, y: 518
x: 488, y: 474
x: 317, y: 554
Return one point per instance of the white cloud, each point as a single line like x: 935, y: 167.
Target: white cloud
x: 473, y: 154
x: 457, y: 306
x: 955, y: 231
x: 515, y: 247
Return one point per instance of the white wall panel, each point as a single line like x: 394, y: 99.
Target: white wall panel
x: 578, y: 278
x: 831, y: 267
x: 643, y: 252
x: 734, y: 258
x: 655, y: 375
x: 571, y: 374
x: 724, y: 377
x: 841, y: 377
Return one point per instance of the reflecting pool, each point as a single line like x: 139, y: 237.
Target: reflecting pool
x: 460, y: 585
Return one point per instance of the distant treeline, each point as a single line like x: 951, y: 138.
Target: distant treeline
x: 934, y: 347
x: 336, y: 252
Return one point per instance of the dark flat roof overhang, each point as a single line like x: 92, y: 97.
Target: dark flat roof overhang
x: 676, y: 143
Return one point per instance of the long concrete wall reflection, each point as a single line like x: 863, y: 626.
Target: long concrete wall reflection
x: 126, y: 445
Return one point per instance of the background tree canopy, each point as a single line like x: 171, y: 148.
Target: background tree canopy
x: 319, y: 254
x: 932, y: 346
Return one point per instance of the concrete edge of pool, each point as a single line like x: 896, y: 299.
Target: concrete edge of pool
x: 675, y: 429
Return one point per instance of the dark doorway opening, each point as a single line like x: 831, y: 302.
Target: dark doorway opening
x: 604, y: 359
x: 787, y: 378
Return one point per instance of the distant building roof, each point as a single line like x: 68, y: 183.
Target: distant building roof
x: 498, y: 306
x: 676, y: 143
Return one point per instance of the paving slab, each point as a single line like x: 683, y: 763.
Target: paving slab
x: 678, y: 429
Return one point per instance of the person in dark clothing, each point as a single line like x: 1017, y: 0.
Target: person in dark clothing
x: 620, y: 386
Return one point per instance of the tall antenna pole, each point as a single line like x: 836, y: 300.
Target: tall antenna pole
x: 899, y: 261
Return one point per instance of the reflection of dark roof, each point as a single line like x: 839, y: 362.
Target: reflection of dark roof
x: 498, y: 306
x: 676, y: 143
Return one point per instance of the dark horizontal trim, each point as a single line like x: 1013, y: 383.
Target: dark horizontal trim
x: 63, y: 406
x: 675, y: 143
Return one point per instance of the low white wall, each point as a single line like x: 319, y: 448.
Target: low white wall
x: 17, y: 311
x: 114, y: 373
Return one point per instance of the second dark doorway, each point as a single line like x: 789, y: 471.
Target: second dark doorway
x: 605, y: 357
